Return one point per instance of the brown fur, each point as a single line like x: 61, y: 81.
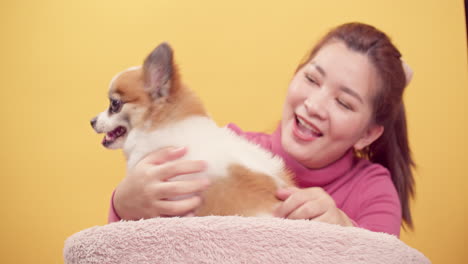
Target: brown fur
x: 181, y: 103
x: 129, y: 87
x: 243, y: 192
x: 178, y: 106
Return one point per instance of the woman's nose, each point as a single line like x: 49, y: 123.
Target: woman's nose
x: 316, y: 106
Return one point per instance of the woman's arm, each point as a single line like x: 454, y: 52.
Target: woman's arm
x: 377, y: 201
x: 380, y: 208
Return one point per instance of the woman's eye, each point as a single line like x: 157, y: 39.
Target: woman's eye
x: 311, y: 79
x: 344, y: 104
x: 115, y: 106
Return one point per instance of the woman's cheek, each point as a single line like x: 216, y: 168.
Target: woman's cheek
x: 298, y: 95
x: 345, y: 126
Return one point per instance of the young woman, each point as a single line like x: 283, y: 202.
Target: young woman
x: 343, y: 134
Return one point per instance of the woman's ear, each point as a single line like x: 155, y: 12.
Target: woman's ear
x: 371, y: 135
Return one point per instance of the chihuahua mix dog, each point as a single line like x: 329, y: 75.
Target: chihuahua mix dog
x: 150, y: 109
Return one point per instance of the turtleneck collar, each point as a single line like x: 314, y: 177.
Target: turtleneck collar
x: 305, y: 177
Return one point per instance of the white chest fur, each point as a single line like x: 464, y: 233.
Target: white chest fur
x: 219, y: 147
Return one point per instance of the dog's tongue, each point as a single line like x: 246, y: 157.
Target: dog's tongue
x: 108, y: 139
x: 113, y: 135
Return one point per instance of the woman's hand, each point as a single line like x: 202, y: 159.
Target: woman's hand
x: 146, y: 193
x: 310, y: 203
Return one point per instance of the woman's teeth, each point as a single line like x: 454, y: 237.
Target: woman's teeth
x: 304, y: 126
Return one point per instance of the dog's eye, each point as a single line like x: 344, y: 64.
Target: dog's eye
x: 115, y: 106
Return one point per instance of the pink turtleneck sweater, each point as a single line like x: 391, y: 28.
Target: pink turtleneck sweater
x: 361, y: 189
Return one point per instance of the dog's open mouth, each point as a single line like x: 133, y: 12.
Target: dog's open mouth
x: 112, y: 136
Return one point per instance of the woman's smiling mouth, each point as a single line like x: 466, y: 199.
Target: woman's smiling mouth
x: 305, y: 131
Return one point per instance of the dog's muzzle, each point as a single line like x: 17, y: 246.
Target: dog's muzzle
x: 93, y: 122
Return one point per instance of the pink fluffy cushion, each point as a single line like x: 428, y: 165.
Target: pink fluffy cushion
x: 233, y: 239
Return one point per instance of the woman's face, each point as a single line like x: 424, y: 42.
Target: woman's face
x: 328, y: 107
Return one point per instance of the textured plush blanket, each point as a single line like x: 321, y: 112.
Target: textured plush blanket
x: 232, y: 239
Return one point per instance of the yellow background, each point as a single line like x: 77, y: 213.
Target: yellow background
x: 57, y: 58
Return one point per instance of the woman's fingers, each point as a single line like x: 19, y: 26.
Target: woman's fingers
x: 139, y: 194
x: 299, y: 203
x: 308, y: 210
x: 164, y: 155
x: 294, y: 201
x: 179, y: 207
x: 171, y: 169
x: 283, y: 194
x: 173, y: 189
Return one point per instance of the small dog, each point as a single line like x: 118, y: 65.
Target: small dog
x: 150, y: 108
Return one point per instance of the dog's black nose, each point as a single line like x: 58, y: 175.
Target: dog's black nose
x: 93, y: 122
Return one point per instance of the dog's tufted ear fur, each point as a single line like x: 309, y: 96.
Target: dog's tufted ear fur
x: 158, y: 70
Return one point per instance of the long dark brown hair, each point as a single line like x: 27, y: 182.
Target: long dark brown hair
x: 391, y: 149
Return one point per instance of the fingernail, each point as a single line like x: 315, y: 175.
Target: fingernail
x: 177, y: 149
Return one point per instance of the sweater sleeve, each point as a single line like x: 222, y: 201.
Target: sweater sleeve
x: 380, y: 208
x: 113, y: 216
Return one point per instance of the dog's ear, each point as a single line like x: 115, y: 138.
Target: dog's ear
x: 158, y: 70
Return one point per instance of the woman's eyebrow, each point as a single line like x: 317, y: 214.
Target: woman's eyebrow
x: 319, y: 69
